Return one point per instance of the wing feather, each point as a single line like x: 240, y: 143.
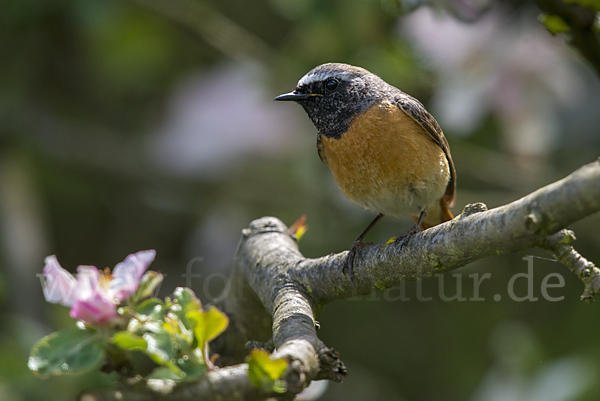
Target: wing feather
x: 417, y: 111
x: 321, y: 149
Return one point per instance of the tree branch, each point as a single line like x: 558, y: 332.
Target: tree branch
x: 588, y: 273
x: 231, y: 383
x: 475, y: 234
x: 275, y: 292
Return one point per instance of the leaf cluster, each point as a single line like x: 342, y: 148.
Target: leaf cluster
x: 173, y: 333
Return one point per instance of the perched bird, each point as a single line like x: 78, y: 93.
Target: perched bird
x: 385, y: 151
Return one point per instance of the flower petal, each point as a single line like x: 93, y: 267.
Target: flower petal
x: 59, y: 286
x: 127, y: 274
x: 91, y: 304
x: 98, y: 311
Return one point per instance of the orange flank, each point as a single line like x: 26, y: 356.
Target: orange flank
x: 387, y: 163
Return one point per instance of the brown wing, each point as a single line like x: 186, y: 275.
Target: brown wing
x: 416, y: 110
x: 321, y: 149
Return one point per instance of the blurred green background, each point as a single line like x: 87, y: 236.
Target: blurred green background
x: 149, y: 124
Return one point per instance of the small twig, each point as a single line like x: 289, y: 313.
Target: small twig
x: 230, y: 383
x: 588, y: 273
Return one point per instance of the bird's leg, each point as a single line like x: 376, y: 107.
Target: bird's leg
x: 356, y: 246
x: 415, y: 229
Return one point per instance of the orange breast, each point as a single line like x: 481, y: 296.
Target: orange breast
x: 386, y: 163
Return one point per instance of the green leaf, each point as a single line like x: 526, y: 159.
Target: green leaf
x: 152, y: 308
x: 208, y: 324
x: 67, y: 351
x: 186, y: 298
x: 149, y: 284
x: 129, y: 341
x: 554, y: 24
x: 185, y: 301
x: 163, y: 373
x: 159, y: 344
x: 152, y: 311
x: 265, y: 372
x: 280, y: 386
x: 189, y: 370
x: 161, y: 348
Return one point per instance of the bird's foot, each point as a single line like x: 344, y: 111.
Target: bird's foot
x: 348, y: 268
x: 403, y: 239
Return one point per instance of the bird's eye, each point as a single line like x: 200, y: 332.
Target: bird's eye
x: 331, y: 84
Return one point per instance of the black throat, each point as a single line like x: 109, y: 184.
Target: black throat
x: 333, y: 113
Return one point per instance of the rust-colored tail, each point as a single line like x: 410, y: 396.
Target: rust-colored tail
x: 437, y: 213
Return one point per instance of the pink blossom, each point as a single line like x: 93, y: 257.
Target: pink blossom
x: 60, y: 284
x: 127, y: 274
x: 94, y: 296
x: 92, y: 304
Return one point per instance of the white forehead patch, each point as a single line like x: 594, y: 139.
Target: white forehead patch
x: 323, y: 75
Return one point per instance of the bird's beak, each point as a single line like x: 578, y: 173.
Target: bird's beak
x: 295, y: 96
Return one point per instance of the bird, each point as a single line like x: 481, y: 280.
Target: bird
x: 386, y: 152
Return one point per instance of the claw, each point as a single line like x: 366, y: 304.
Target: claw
x: 348, y: 268
x: 403, y: 239
x: 356, y: 245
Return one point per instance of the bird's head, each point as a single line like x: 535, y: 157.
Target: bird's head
x: 333, y: 94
